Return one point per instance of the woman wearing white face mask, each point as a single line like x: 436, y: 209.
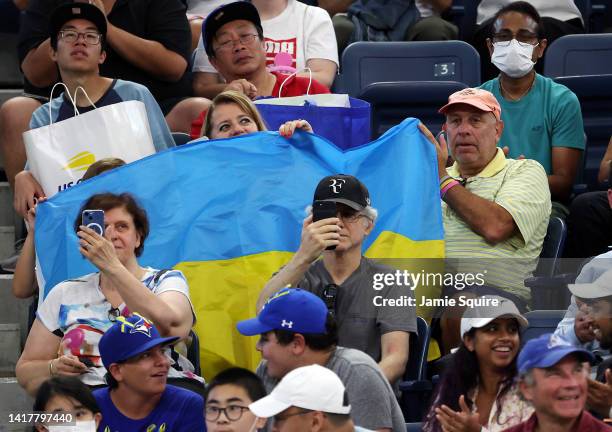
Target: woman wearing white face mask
x: 67, y: 400
x: 542, y: 119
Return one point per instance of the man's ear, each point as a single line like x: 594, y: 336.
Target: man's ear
x: 53, y: 54
x: 490, y: 47
x: 526, y: 390
x: 115, y: 371
x: 318, y: 421
x: 102, y: 57
x: 539, y: 50
x: 298, y: 344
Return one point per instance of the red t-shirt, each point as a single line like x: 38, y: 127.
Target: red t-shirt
x: 294, y: 86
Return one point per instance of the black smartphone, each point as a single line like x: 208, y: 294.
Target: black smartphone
x: 323, y: 210
x: 93, y: 219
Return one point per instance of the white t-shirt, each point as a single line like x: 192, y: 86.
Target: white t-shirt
x: 563, y: 10
x: 77, y: 309
x: 305, y: 32
x: 203, y: 7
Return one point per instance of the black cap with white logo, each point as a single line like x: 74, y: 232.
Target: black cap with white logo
x: 344, y: 189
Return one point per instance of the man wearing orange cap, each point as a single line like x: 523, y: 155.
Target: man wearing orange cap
x: 495, y: 210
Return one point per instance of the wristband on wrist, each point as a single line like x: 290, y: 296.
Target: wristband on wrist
x: 448, y: 187
x: 51, y: 371
x: 446, y: 183
x: 444, y: 179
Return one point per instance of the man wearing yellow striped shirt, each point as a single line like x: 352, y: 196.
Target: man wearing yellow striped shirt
x: 495, y: 210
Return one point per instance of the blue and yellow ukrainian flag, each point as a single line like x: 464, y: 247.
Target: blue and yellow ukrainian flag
x: 228, y: 213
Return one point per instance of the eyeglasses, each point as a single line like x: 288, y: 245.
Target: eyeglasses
x: 348, y: 214
x: 247, y: 39
x: 523, y: 38
x: 71, y: 36
x: 279, y: 418
x: 329, y: 295
x: 232, y: 412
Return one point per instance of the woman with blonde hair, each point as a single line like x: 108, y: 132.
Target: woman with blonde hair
x: 232, y: 114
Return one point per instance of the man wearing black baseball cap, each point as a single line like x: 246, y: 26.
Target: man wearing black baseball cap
x: 138, y: 398
x: 335, y: 229
x: 234, y: 42
x: 78, y: 40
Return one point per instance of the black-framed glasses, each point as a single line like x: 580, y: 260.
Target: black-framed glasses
x: 524, y: 38
x: 280, y: 418
x: 329, y: 296
x: 232, y: 412
x: 247, y: 39
x: 71, y: 36
x: 113, y: 314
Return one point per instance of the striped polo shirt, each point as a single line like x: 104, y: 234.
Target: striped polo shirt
x: 520, y: 187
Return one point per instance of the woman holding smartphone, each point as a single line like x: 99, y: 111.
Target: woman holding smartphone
x: 74, y: 315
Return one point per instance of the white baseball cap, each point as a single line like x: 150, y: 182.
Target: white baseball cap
x: 493, y: 307
x: 312, y: 387
x: 602, y: 287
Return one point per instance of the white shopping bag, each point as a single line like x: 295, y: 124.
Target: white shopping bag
x: 59, y: 154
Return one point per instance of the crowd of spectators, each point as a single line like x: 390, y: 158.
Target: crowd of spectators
x: 507, y: 160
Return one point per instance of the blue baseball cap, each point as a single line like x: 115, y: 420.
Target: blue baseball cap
x: 129, y: 337
x: 546, y: 351
x: 290, y: 309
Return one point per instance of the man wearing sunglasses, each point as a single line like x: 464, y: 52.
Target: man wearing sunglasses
x: 137, y: 397
x: 543, y: 120
x: 329, y: 263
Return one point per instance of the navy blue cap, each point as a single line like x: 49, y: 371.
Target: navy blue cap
x: 240, y: 10
x: 129, y: 337
x: 290, y: 309
x: 546, y: 351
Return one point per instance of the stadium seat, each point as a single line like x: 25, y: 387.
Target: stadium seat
x: 180, y: 138
x: 548, y: 289
x: 193, y: 353
x: 414, y: 427
x: 462, y: 13
x: 595, y: 95
x: 364, y: 63
x: 392, y: 102
x: 415, y: 389
x: 579, y: 54
x: 541, y: 322
x: 10, y: 74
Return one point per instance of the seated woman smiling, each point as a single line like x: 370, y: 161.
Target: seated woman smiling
x: 233, y: 114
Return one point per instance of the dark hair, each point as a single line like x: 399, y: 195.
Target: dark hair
x: 459, y: 378
x: 102, y: 165
x: 111, y: 381
x: 337, y: 420
x: 240, y: 377
x: 68, y: 386
x: 108, y: 201
x: 316, y: 342
x: 524, y: 8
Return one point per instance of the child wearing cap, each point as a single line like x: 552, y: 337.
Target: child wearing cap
x: 479, y: 383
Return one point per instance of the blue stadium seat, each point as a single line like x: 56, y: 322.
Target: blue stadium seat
x: 364, y: 63
x: 579, y: 54
x: 541, y: 322
x: 414, y: 427
x: 415, y: 389
x: 193, y: 353
x: 392, y: 102
x: 549, y: 289
x: 595, y: 95
x: 463, y: 13
x: 181, y: 138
